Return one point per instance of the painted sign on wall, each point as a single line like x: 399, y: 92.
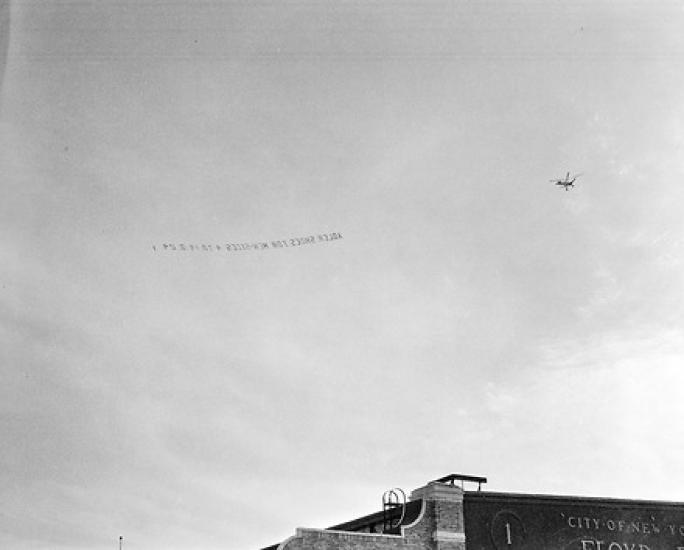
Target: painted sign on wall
x: 497, y: 521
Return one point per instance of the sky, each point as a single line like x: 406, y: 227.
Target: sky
x: 473, y: 317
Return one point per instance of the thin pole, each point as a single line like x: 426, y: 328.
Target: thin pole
x: 120, y: 541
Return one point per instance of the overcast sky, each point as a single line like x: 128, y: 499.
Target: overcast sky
x: 473, y: 318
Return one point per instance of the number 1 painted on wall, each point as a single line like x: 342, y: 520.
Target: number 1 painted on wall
x: 508, y: 534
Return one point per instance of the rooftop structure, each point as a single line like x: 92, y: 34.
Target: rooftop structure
x: 443, y: 515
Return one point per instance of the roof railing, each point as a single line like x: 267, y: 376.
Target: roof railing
x: 452, y: 478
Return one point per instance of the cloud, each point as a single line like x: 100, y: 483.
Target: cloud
x: 599, y: 407
x: 473, y: 317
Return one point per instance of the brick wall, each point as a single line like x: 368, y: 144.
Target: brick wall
x: 438, y: 527
x: 320, y: 539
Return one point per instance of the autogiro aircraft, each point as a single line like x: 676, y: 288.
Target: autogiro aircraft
x: 567, y: 182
